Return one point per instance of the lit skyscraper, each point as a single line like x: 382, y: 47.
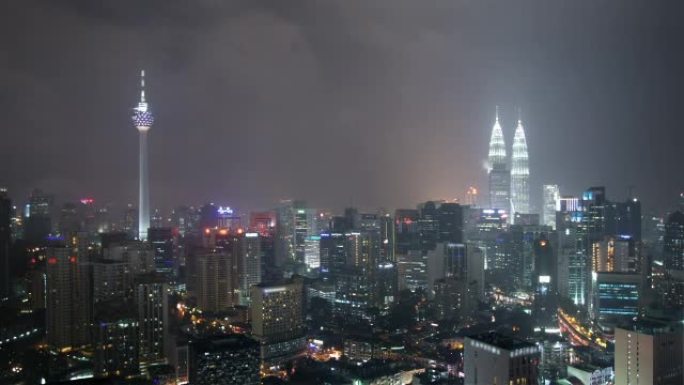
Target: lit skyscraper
x: 551, y: 204
x: 143, y: 119
x: 520, y: 173
x: 497, y: 168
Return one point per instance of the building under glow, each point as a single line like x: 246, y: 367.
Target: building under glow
x: 143, y: 119
x: 550, y: 205
x: 520, y: 173
x: 497, y: 169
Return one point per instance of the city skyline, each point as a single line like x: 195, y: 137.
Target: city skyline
x: 227, y: 119
x: 261, y: 192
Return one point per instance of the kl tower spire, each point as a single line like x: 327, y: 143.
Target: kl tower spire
x: 143, y: 119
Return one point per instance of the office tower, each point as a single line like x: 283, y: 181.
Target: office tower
x: 484, y: 229
x: 333, y: 252
x: 412, y: 267
x: 115, y: 340
x: 285, y: 232
x: 428, y: 226
x: 214, y: 280
x: 551, y: 204
x: 249, y: 265
x: 227, y: 219
x: 305, y: 226
x: 520, y: 173
x: 623, y: 219
x: 574, y: 260
x: 138, y: 255
x: 278, y: 320
x: 161, y: 239
x: 406, y: 230
x: 493, y: 358
x: 152, y: 303
x: 617, y: 254
x: 185, y: 219
x: 38, y: 217
x: 68, y: 300
x: 208, y: 216
x: 616, y: 297
x: 143, y: 119
x: 130, y: 221
x: 388, y: 238
x: 673, y: 241
x: 69, y: 221
x: 497, y: 170
x: 593, y: 215
x: 572, y: 265
x: 353, y: 294
x: 450, y: 222
x: 312, y: 252
x: 385, y: 285
x: 520, y: 263
x: 5, y: 242
x: 224, y: 360
x: 262, y: 222
x: 649, y: 353
x: 458, y: 288
x: 545, y: 282
x: 112, y: 280
x: 449, y: 298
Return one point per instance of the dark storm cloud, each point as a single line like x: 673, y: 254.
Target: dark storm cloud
x: 380, y: 103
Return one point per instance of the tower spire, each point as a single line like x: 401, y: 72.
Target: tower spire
x: 497, y: 112
x: 142, y: 86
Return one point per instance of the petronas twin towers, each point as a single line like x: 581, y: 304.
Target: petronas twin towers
x: 509, y: 188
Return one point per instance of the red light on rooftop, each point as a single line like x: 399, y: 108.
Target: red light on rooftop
x: 52, y: 261
x: 207, y: 231
x: 72, y: 259
x: 240, y: 231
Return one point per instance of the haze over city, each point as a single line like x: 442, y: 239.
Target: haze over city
x: 371, y: 104
x: 339, y: 192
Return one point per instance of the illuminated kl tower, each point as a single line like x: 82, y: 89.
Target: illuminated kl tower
x: 143, y: 119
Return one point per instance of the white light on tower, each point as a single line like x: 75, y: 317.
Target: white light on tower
x: 143, y: 119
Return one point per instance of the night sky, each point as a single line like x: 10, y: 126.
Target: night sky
x: 366, y: 103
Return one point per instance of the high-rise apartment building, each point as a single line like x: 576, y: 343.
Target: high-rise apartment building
x: 215, y: 280
x: 68, y: 300
x: 115, y: 340
x: 278, y: 320
x: 152, y: 303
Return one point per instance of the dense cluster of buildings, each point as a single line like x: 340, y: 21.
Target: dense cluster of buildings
x: 584, y: 289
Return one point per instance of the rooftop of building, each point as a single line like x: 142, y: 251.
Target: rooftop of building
x: 501, y: 341
x: 224, y: 342
x: 652, y: 326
